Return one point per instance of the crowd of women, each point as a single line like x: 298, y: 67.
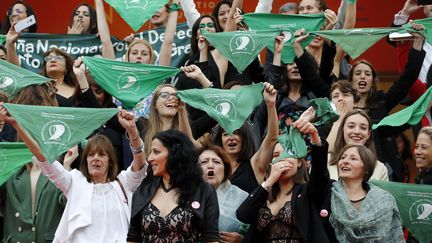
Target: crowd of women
x: 167, y: 172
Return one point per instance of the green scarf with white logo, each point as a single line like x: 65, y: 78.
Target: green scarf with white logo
x: 13, y: 78
x: 136, y: 12
x: 240, y: 47
x: 415, y: 207
x: 230, y: 108
x: 12, y: 157
x: 128, y: 82
x: 288, y: 24
x: 56, y: 129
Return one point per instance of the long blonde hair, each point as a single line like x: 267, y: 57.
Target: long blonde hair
x: 154, y: 123
x: 146, y: 43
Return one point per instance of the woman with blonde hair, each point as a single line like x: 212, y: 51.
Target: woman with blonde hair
x: 423, y: 156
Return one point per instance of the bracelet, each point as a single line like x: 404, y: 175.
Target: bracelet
x: 138, y: 149
x: 265, y: 186
x: 211, y: 85
x: 84, y: 89
x: 174, y: 7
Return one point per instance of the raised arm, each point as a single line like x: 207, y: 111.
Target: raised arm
x: 262, y: 158
x: 231, y: 24
x: 104, y: 33
x: 11, y: 39
x: 190, y: 11
x: 264, y: 6
x: 170, y: 29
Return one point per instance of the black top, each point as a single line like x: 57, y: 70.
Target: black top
x: 179, y: 225
x: 203, y: 203
x: 244, y: 177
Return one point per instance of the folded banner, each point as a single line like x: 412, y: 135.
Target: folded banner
x: 293, y: 144
x: 415, y: 206
x: 356, y: 41
x: 14, y: 78
x: 136, y: 12
x: 240, y: 47
x: 12, y: 157
x: 409, y: 115
x: 56, y: 129
x: 288, y: 24
x: 230, y: 108
x: 128, y: 82
x: 325, y: 111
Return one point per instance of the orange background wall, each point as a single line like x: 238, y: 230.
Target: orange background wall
x: 53, y: 17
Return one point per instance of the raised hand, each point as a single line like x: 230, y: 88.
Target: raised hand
x: 77, y: 27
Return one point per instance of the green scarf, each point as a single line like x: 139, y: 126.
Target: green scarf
x: 356, y: 41
x: 243, y: 46
x: 13, y: 78
x: 56, y: 129
x: 293, y: 144
x: 128, y: 82
x: 415, y: 205
x: 12, y: 157
x: 325, y: 111
x: 230, y: 108
x: 288, y: 24
x: 377, y: 220
x: 136, y: 12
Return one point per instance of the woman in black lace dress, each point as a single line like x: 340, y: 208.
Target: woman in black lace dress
x: 177, y: 205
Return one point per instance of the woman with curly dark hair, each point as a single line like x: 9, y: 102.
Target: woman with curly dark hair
x: 177, y: 205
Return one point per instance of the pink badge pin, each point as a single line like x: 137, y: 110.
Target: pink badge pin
x: 195, y: 205
x: 323, y: 213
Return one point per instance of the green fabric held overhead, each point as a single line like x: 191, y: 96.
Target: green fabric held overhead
x: 410, y: 115
x: 427, y: 23
x: 240, y: 47
x: 293, y: 144
x: 128, y: 82
x: 415, y: 206
x: 12, y: 157
x: 356, y: 41
x: 56, y: 129
x: 288, y: 24
x: 136, y: 12
x: 230, y: 108
x: 13, y: 78
x: 325, y: 111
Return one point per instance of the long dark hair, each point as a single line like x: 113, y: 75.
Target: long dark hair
x: 29, y: 11
x: 216, y: 10
x: 373, y: 90
x: 194, y: 36
x: 182, y: 164
x: 247, y: 149
x: 93, y: 29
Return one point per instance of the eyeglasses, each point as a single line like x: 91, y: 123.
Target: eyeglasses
x: 17, y: 11
x: 167, y: 95
x: 208, y: 25
x: 56, y: 58
x: 85, y: 13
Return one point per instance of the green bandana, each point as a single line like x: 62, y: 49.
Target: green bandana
x: 136, y: 12
x: 415, y: 207
x: 293, y: 144
x: 356, y: 41
x: 230, y: 108
x: 410, y: 115
x: 288, y: 24
x: 325, y: 111
x: 12, y: 157
x: 128, y: 82
x: 427, y: 23
x: 243, y: 46
x: 56, y: 129
x: 14, y: 78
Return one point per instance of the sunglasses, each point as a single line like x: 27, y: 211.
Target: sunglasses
x: 167, y: 95
x: 17, y: 11
x: 208, y: 25
x: 87, y: 14
x: 56, y: 58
